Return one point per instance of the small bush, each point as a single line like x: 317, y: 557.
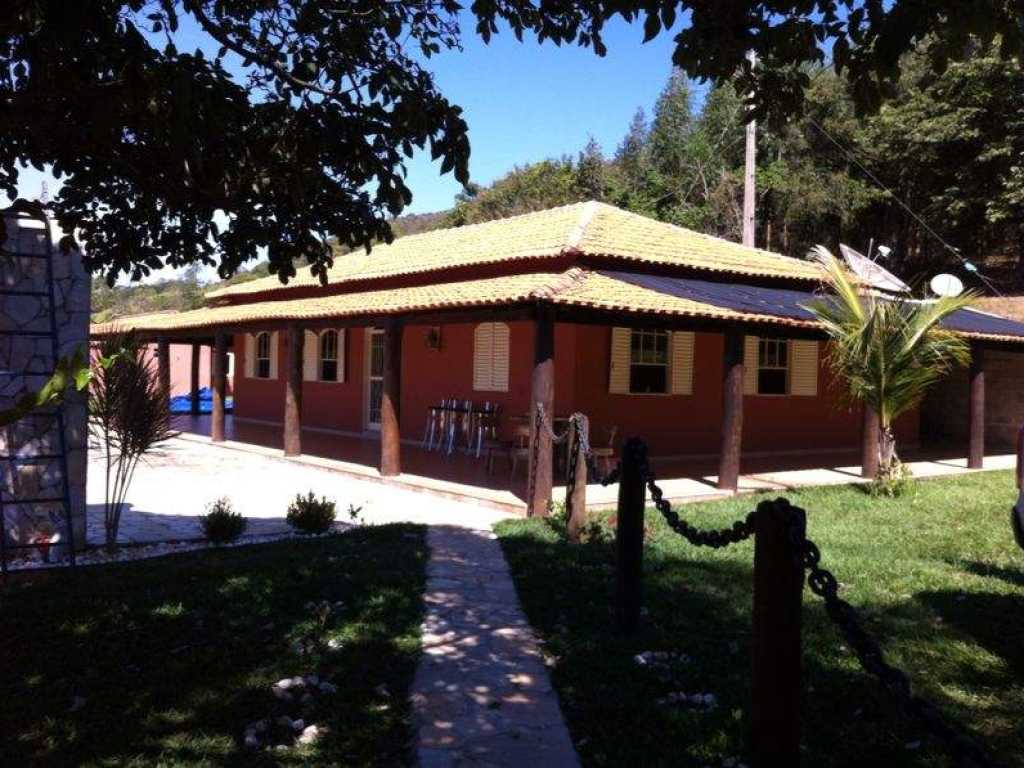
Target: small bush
x: 307, y: 514
x: 221, y: 523
x: 892, y: 483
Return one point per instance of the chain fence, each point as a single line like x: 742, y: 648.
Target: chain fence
x: 821, y: 581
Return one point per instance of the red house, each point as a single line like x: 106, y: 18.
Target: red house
x: 701, y: 346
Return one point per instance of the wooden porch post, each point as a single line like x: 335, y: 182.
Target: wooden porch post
x: 869, y: 444
x: 218, y: 381
x: 293, y: 392
x: 163, y: 364
x: 543, y: 394
x: 976, y: 448
x: 390, y: 402
x: 193, y: 392
x: 732, y: 411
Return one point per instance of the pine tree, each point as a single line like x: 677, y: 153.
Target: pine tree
x: 672, y: 126
x: 590, y: 171
x: 631, y: 156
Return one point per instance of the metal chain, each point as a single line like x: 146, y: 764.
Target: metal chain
x: 545, y: 424
x: 895, y: 681
x: 741, y: 530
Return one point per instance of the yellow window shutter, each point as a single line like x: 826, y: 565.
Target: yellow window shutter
x: 499, y: 357
x: 682, y: 362
x: 342, y: 357
x: 310, y: 356
x: 250, y: 355
x: 483, y: 344
x: 273, y: 355
x: 618, y: 371
x: 803, y: 371
x: 750, y: 364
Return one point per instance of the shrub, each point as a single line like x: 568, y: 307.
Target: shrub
x: 221, y: 523
x: 307, y: 514
x: 892, y: 483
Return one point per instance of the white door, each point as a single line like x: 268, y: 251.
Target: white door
x: 374, y: 376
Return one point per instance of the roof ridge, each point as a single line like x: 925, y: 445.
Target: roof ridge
x: 561, y: 283
x: 588, y: 211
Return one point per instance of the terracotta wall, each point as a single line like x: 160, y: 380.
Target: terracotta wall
x: 671, y: 424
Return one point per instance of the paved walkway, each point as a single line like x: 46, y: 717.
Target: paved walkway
x: 482, y: 694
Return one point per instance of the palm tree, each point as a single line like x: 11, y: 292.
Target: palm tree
x: 887, y: 350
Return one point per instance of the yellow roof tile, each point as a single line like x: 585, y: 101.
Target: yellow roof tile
x: 591, y: 228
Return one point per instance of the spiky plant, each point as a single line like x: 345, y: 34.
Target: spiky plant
x: 886, y: 350
x: 129, y: 415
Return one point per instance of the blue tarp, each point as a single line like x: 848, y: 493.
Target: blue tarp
x: 183, y: 403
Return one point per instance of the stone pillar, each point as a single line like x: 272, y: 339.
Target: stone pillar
x: 732, y: 411
x: 976, y: 447
x: 218, y: 383
x: 293, y: 392
x: 390, y: 402
x: 163, y: 364
x: 542, y: 395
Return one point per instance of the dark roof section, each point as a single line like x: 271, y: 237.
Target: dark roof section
x: 787, y: 303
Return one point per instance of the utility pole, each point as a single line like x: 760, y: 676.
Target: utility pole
x: 750, y: 164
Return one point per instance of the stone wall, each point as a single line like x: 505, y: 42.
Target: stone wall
x: 25, y: 361
x: 945, y: 412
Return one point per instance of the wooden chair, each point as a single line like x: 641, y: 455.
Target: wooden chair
x: 606, y: 455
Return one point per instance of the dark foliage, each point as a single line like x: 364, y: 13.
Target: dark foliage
x: 308, y: 514
x: 299, y: 127
x: 221, y: 523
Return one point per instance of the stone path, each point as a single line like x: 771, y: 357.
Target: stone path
x: 482, y: 695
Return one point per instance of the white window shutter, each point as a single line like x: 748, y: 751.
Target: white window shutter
x: 803, y: 370
x: 618, y: 370
x: 250, y: 355
x: 342, y: 357
x: 751, y: 362
x: 499, y: 357
x: 483, y: 343
x: 310, y: 356
x: 682, y: 362
x: 273, y: 355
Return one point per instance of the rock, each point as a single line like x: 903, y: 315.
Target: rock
x: 311, y: 733
x: 76, y: 703
x: 307, y: 699
x: 281, y: 693
x: 382, y: 690
x: 326, y: 687
x: 335, y: 643
x: 284, y: 721
x: 313, y: 680
x: 298, y: 725
x: 284, y: 683
x: 252, y: 741
x: 260, y: 726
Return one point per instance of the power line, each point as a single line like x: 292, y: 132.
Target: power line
x: 951, y: 248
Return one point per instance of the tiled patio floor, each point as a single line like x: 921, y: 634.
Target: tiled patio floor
x: 465, y: 477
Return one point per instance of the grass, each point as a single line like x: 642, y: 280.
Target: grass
x: 174, y: 657
x: 935, y: 574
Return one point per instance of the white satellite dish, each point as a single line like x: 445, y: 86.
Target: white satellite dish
x: 871, y: 273
x: 946, y: 285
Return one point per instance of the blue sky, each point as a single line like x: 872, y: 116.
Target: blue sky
x: 523, y: 102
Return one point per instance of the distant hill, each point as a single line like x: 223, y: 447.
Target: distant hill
x: 186, y: 292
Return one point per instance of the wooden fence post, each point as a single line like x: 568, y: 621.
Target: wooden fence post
x: 629, y: 536
x: 1017, y: 513
x: 576, y: 488
x: 778, y: 593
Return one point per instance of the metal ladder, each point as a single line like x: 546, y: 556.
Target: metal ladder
x: 50, y: 418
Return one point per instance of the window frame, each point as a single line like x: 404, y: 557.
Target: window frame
x: 656, y: 334
x: 258, y: 359
x: 778, y: 344
x: 323, y: 358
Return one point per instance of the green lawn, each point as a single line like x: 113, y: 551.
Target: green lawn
x: 936, y: 575
x: 174, y: 657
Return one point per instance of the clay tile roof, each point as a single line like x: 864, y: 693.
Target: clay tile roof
x: 591, y: 228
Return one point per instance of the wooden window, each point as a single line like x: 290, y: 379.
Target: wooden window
x: 651, y: 362
x: 648, y: 362
x: 490, y: 357
x: 263, y: 355
x: 329, y: 356
x: 772, y: 367
x: 775, y: 366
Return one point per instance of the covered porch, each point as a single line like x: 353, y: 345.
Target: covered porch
x: 464, y: 478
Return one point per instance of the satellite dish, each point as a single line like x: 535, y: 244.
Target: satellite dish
x: 871, y: 273
x: 946, y: 285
